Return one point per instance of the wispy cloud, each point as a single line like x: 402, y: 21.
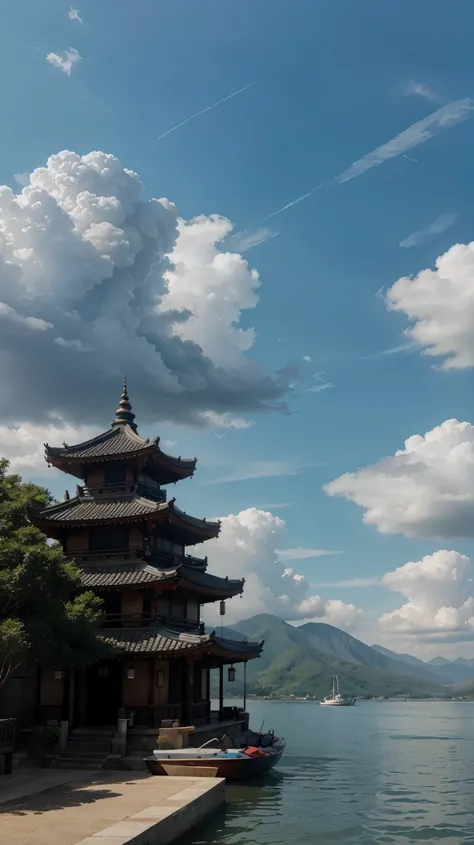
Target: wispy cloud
x: 307, y: 358
x: 274, y: 506
x: 306, y: 554
x: 293, y: 202
x: 260, y: 469
x: 440, y: 225
x: 401, y: 349
x: 224, y: 420
x: 321, y: 383
x: 420, y: 89
x: 248, y: 238
x: 410, y: 158
x: 73, y: 15
x: 203, y: 111
x: 351, y: 582
x: 23, y: 179
x: 65, y: 60
x: 444, y: 118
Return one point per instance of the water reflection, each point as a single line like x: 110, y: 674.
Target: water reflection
x: 389, y: 774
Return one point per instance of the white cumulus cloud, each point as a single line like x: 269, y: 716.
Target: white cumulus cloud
x: 440, y: 305
x: 96, y: 280
x: 439, y: 593
x: 64, y: 61
x: 248, y: 548
x: 425, y: 489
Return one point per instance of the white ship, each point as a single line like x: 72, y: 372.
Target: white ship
x: 336, y: 699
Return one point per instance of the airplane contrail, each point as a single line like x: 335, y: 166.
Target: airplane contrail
x: 293, y: 202
x: 203, y: 111
x: 416, y: 134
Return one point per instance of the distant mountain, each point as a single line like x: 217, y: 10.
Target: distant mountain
x: 293, y: 662
x: 438, y: 668
x: 343, y: 645
x: 405, y: 658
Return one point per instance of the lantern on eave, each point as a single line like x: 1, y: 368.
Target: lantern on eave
x: 222, y: 608
x: 231, y: 673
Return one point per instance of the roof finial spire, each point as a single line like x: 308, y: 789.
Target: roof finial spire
x: 124, y: 414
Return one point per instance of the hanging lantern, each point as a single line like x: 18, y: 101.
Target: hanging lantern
x: 231, y: 673
x: 131, y: 673
x: 58, y: 674
x: 160, y: 678
x: 222, y: 608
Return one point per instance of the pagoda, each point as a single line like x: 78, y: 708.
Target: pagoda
x: 129, y: 541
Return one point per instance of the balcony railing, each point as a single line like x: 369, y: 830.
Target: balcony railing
x: 128, y: 620
x: 200, y: 713
x: 119, y: 488
x: 97, y: 555
x: 157, y: 557
x: 145, y: 620
x: 160, y: 557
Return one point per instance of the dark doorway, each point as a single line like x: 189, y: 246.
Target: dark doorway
x: 103, y: 692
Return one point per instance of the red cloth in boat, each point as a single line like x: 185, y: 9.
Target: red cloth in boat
x: 253, y: 751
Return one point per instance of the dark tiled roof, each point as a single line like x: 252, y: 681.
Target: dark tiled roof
x: 149, y: 641
x: 212, y: 582
x: 123, y: 575
x: 118, y: 441
x: 131, y: 574
x: 115, y: 441
x: 88, y: 509
x: 145, y: 641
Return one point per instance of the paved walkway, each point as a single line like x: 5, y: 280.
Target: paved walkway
x: 71, y: 812
x: 29, y: 781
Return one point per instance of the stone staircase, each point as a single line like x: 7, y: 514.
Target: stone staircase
x: 87, y: 748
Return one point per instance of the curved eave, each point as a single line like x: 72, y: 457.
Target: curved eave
x: 234, y: 651
x: 192, y: 529
x: 169, y: 469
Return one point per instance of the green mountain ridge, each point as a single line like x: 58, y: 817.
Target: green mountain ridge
x: 301, y: 661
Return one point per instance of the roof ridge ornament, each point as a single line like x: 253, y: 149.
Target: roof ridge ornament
x: 124, y: 414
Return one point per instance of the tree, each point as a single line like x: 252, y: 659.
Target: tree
x: 44, y: 614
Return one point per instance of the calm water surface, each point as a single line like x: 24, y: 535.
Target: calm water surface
x: 390, y: 773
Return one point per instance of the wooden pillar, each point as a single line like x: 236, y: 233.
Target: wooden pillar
x: 221, y: 692
x: 245, y: 685
x: 151, y: 692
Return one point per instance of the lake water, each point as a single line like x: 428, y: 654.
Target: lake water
x: 389, y: 773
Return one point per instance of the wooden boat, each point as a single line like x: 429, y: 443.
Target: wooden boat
x: 233, y: 764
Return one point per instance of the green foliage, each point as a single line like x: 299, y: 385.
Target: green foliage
x: 44, y: 616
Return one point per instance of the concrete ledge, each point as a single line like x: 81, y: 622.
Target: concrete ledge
x: 168, y: 821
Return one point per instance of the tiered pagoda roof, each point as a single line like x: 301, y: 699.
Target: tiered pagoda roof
x: 157, y: 641
x: 100, y: 510
x: 120, y: 442
x: 139, y: 500
x: 141, y: 573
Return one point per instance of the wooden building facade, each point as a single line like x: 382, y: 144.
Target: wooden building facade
x: 130, y: 543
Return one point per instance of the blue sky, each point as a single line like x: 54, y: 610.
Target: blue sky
x: 330, y: 81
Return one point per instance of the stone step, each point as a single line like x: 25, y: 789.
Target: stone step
x: 99, y: 730
x: 77, y: 742
x: 68, y: 763
x: 82, y: 755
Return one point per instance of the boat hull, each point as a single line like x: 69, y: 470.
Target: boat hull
x: 337, y: 703
x: 234, y: 766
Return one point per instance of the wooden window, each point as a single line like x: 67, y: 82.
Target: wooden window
x: 102, y: 539
x: 115, y: 473
x: 192, y: 609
